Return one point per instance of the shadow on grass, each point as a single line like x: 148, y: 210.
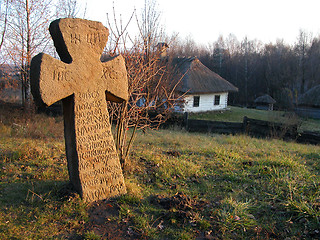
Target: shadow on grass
x: 41, y: 210
x: 24, y: 193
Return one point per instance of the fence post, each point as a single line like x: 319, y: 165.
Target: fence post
x: 185, y: 120
x: 245, y: 124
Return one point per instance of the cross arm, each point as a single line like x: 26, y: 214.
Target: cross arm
x: 115, y: 79
x: 50, y: 80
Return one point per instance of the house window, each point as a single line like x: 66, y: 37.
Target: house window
x: 196, y: 101
x: 216, y: 99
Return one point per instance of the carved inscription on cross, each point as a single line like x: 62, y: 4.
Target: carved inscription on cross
x: 84, y: 83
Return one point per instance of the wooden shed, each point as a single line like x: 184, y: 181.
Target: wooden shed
x: 264, y: 102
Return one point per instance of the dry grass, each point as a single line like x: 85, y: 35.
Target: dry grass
x: 180, y: 186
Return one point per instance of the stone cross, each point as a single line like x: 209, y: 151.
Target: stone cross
x: 84, y: 83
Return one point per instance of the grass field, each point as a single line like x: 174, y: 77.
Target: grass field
x: 236, y: 114
x: 180, y: 186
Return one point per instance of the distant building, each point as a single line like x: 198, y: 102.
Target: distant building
x: 203, y: 89
x: 309, y: 103
x: 264, y: 102
x: 162, y: 50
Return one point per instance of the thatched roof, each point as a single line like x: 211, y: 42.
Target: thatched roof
x: 197, y: 78
x: 162, y: 45
x: 267, y: 99
x: 311, y: 97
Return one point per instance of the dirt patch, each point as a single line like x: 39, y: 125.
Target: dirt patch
x: 173, y: 153
x: 181, y: 209
x: 103, y: 221
x: 179, y: 201
x: 185, y: 211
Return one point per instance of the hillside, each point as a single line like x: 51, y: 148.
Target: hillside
x: 180, y: 186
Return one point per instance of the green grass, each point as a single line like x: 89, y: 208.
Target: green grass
x: 236, y: 114
x: 225, y: 187
x: 310, y: 125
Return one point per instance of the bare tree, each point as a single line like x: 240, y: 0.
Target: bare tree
x: 24, y: 32
x: 151, y: 89
x: 150, y: 30
x: 186, y: 47
x: 313, y: 63
x: 302, y: 48
x: 69, y: 9
x: 27, y: 34
x: 4, y: 12
x: 217, y: 53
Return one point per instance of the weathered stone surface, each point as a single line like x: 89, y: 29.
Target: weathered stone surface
x: 84, y: 83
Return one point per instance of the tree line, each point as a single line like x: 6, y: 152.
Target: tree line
x: 281, y: 70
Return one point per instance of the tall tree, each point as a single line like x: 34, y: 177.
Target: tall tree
x: 302, y: 48
x: 149, y: 24
x: 312, y: 64
x: 27, y: 34
x: 4, y: 12
x: 279, y: 73
x: 249, y: 58
x: 69, y: 9
x: 218, y: 52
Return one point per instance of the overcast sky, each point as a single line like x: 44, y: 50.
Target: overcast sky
x: 205, y: 20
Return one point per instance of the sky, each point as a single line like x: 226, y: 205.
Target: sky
x: 205, y: 20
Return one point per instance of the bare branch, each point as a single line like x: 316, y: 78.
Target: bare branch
x: 4, y: 24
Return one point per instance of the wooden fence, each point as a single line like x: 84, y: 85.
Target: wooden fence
x: 213, y: 127
x: 309, y: 137
x: 259, y: 128
x: 249, y: 126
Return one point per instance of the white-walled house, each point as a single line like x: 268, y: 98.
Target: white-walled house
x: 205, y: 102
x: 203, y: 89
